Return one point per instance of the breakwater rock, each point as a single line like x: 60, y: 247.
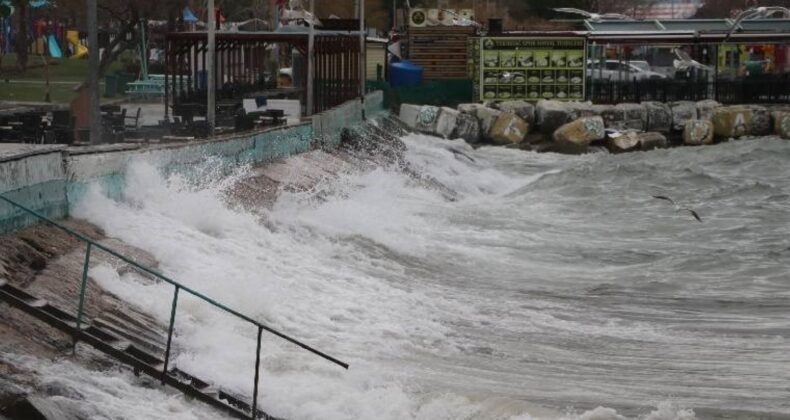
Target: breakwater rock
x: 574, y: 127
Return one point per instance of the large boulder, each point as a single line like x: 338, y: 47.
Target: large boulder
x: 652, y: 140
x: 427, y: 118
x: 612, y: 116
x: 705, y: 109
x: 467, y: 127
x: 623, y: 117
x: 581, y: 109
x: 508, y: 129
x: 623, y: 142
x: 580, y: 132
x: 552, y: 114
x: 446, y: 122
x: 732, y: 121
x: 469, y: 108
x: 659, y: 116
x: 682, y: 112
x: 524, y: 110
x: 486, y: 116
x: 761, y: 121
x: 781, y: 121
x: 420, y: 117
x: 634, y: 117
x: 408, y: 114
x: 698, y: 132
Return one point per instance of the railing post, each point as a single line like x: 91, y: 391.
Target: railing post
x: 170, y: 332
x: 254, y: 414
x: 83, y: 287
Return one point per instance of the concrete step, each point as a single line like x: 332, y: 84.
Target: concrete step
x: 113, y: 343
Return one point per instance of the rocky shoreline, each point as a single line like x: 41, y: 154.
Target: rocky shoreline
x: 579, y: 127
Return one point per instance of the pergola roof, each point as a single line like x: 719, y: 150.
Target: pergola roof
x: 688, y: 25
x: 673, y: 31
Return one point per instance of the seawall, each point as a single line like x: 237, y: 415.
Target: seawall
x: 51, y: 179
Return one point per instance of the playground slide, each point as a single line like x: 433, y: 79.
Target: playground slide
x: 73, y: 37
x: 54, y: 48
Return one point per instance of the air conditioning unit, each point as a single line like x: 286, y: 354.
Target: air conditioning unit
x: 418, y: 18
x: 446, y: 16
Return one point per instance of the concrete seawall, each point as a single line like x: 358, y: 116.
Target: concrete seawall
x: 50, y: 179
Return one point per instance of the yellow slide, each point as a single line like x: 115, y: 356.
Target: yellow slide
x: 73, y: 37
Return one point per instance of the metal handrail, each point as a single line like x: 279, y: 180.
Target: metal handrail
x: 178, y: 287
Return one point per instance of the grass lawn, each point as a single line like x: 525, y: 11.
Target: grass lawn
x: 35, y: 91
x: 64, y: 76
x: 64, y: 70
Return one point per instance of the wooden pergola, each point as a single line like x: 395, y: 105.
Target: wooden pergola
x: 240, y: 63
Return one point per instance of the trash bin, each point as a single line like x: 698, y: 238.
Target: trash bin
x: 110, y: 86
x: 405, y: 74
x: 124, y: 79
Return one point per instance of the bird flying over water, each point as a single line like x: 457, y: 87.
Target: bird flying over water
x: 595, y: 17
x: 757, y: 13
x: 685, y: 62
x: 678, y: 208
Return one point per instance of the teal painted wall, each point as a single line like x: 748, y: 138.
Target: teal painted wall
x: 226, y: 154
x: 52, y: 182
x: 37, y: 180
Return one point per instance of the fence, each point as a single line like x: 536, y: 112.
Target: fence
x: 178, y: 287
x: 748, y: 90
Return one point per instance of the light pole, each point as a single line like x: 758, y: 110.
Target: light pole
x: 93, y: 73
x: 362, y: 55
x: 211, y: 82
x: 310, y: 107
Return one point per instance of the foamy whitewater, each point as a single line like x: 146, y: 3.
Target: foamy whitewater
x: 553, y: 287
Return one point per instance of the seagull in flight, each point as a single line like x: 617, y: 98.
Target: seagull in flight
x: 678, y: 208
x: 595, y: 17
x: 685, y: 62
x: 757, y: 13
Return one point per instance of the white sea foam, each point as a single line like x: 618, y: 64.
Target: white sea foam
x: 530, y: 286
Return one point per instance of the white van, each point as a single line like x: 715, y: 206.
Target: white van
x: 621, y: 70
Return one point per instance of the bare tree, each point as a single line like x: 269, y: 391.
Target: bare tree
x: 22, y: 43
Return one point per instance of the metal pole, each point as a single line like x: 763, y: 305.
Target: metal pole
x: 170, y: 333
x: 257, y: 375
x: 362, y: 56
x: 394, y: 15
x: 311, y: 65
x: 93, y: 72
x: 211, y: 107
x: 276, y: 48
x: 83, y: 288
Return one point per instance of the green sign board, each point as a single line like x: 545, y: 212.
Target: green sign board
x: 532, y: 68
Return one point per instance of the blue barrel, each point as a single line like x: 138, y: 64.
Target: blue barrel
x: 404, y: 74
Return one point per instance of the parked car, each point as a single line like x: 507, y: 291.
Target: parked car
x: 621, y: 70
